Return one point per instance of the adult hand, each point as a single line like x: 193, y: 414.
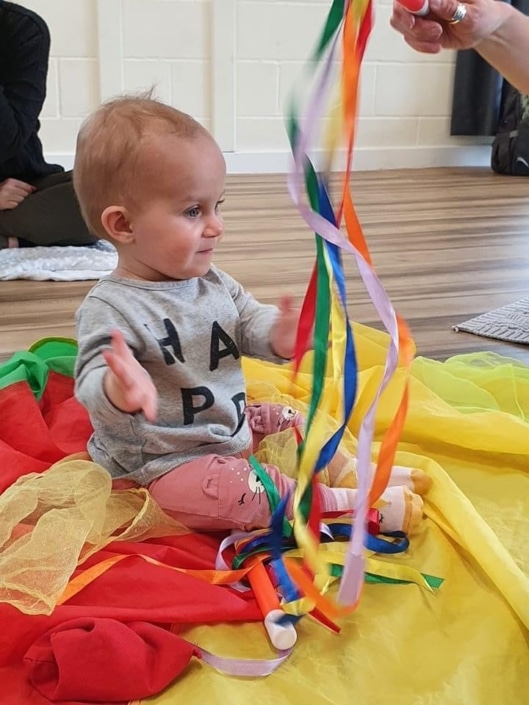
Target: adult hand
x: 433, y: 32
x: 127, y: 384
x: 13, y: 192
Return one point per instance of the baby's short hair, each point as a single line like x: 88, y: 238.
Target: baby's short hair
x: 107, y: 169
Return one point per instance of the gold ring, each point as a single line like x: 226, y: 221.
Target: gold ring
x: 459, y: 14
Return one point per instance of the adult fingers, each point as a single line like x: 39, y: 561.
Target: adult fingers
x: 415, y: 29
x: 18, y: 185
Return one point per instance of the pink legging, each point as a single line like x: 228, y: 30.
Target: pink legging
x: 215, y: 493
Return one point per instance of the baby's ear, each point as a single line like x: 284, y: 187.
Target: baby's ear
x: 115, y: 220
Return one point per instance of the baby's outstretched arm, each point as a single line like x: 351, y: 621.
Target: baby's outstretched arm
x: 283, y: 333
x: 128, y: 386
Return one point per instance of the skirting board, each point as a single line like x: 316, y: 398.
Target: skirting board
x: 365, y: 159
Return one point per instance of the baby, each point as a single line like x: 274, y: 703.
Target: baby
x: 161, y: 338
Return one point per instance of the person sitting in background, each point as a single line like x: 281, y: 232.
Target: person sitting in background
x: 496, y: 30
x: 38, y: 205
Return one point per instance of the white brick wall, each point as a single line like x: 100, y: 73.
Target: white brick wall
x: 232, y: 66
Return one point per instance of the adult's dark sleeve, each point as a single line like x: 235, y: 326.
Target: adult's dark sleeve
x: 23, y: 88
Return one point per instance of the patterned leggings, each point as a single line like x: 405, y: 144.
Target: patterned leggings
x: 215, y: 493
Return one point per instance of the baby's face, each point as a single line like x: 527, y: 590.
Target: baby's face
x: 178, y: 225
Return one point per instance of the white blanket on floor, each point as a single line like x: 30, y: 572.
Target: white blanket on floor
x: 58, y: 263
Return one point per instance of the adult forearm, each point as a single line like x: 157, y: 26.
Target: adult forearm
x: 507, y: 49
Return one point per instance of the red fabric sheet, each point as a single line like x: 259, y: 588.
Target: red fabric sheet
x: 33, y: 436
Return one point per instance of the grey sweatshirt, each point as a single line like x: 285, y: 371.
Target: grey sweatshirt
x: 189, y: 336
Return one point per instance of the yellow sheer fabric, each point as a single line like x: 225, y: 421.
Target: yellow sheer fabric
x: 469, y: 642
x: 52, y: 521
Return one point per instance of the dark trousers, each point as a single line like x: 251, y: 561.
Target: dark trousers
x: 50, y: 216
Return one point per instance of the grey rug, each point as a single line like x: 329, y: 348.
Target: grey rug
x: 509, y: 323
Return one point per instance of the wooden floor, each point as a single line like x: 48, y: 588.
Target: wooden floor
x: 448, y: 244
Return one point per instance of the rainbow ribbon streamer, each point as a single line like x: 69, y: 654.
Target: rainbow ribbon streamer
x: 325, y: 323
x: 340, y: 50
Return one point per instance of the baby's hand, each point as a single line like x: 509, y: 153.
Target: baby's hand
x: 284, y: 330
x: 127, y: 384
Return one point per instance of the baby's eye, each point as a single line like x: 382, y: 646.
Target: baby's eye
x: 219, y: 204
x: 193, y: 212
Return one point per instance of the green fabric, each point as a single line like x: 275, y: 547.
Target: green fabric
x: 34, y: 365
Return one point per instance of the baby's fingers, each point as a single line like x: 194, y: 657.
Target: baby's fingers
x: 149, y: 407
x: 286, y: 305
x: 119, y: 368
x: 119, y: 345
